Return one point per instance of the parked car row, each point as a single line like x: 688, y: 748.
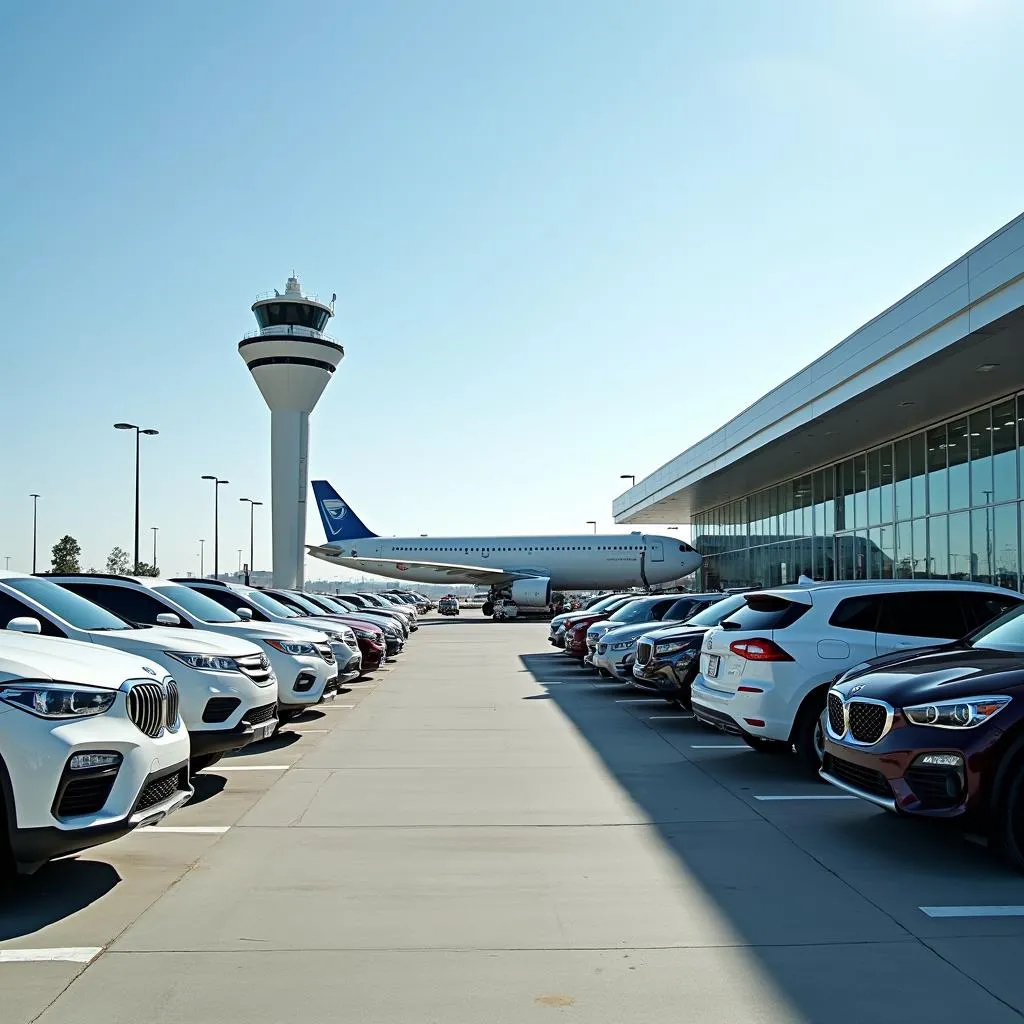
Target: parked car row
x: 116, y: 690
x: 906, y: 693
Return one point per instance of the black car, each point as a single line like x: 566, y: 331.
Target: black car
x: 668, y: 659
x: 938, y: 733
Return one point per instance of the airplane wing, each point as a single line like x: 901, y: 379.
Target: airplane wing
x: 472, y: 573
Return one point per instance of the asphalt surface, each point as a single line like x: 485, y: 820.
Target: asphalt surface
x: 489, y: 833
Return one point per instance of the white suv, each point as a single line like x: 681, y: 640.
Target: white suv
x: 302, y: 659
x: 765, y: 671
x: 91, y: 747
x: 228, y: 692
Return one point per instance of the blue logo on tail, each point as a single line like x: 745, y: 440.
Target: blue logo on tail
x: 340, y: 522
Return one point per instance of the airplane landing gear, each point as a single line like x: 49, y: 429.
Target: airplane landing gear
x: 488, y: 608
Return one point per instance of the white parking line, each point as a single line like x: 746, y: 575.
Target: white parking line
x: 639, y: 700
x: 306, y: 732
x: 62, y: 954
x: 669, y: 717
x: 815, y: 797
x: 719, y: 746
x: 333, y: 707
x: 199, y: 830
x: 993, y: 911
x: 249, y: 768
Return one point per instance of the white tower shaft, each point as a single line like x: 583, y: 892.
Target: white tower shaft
x: 289, y: 470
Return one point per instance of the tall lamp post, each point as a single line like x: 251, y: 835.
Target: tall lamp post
x: 35, y: 524
x: 252, y: 548
x: 217, y: 484
x: 202, y: 553
x: 149, y: 432
x: 154, y: 529
x: 593, y: 523
x: 629, y: 477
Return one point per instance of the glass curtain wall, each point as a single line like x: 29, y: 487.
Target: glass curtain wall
x: 944, y: 503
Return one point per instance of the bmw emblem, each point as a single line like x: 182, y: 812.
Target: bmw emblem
x: 146, y: 668
x: 856, y: 689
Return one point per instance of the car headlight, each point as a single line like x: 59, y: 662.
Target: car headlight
x: 622, y: 645
x: 957, y: 714
x: 205, y: 662
x: 296, y: 648
x: 363, y: 634
x: 669, y: 648
x: 57, y: 700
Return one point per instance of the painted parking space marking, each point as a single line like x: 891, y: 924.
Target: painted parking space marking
x: 57, y: 954
x: 991, y: 911
x: 806, y: 797
x: 639, y: 700
x: 668, y: 717
x: 334, y: 707
x: 197, y: 830
x: 719, y: 746
x: 249, y: 768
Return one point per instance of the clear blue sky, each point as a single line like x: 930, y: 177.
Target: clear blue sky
x: 613, y: 225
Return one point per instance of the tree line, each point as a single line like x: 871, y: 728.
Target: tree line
x: 66, y: 556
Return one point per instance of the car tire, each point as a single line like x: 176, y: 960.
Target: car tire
x: 809, y: 734
x: 1006, y: 824
x: 8, y: 869
x: 765, y: 746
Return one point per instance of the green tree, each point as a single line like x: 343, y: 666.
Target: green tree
x: 117, y: 562
x: 65, y: 555
x: 144, y: 569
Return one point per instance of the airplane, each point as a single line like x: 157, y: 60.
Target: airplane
x: 522, y: 569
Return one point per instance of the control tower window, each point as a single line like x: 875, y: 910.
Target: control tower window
x: 297, y: 314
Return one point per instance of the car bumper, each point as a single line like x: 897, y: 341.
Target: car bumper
x: 259, y: 724
x: 670, y: 677
x: 616, y: 663
x: 301, y: 680
x: 751, y: 713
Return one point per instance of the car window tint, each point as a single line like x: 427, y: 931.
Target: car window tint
x: 11, y: 608
x: 1005, y: 634
x: 720, y: 610
x: 859, y: 612
x: 764, y: 612
x: 929, y: 613
x: 230, y: 600
x: 984, y: 608
x: 131, y: 605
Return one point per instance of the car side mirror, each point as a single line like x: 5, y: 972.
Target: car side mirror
x: 168, y: 619
x: 25, y: 624
x: 245, y: 614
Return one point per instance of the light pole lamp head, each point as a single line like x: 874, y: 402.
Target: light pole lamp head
x: 125, y: 426
x: 150, y: 431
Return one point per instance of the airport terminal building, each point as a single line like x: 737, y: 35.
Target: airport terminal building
x: 899, y: 453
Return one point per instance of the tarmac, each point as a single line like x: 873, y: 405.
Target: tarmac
x: 488, y: 833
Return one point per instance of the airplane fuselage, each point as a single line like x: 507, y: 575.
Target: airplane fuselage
x: 584, y: 562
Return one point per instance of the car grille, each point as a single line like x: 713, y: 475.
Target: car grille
x: 935, y: 786
x: 220, y: 709
x: 325, y: 652
x: 867, y: 721
x: 156, y: 791
x: 256, y: 667
x: 644, y: 650
x: 865, y: 779
x: 173, y: 702
x: 836, y: 715
x: 146, y: 708
x: 85, y: 796
x: 264, y: 713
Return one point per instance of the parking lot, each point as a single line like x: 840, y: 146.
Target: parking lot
x: 489, y: 833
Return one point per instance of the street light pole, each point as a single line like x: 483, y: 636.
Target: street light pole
x: 35, y: 531
x: 593, y: 523
x: 138, y: 432
x: 217, y: 484
x: 252, y: 548
x: 629, y: 477
x: 154, y: 529
x: 202, y: 552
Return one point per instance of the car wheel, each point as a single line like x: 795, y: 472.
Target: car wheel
x: 197, y: 764
x: 1006, y: 826
x: 809, y: 734
x: 8, y: 869
x: 765, y: 746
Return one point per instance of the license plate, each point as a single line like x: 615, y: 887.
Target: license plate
x: 263, y: 730
x: 714, y: 660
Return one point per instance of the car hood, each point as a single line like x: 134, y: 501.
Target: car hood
x: 933, y: 674
x: 171, y: 638
x: 680, y: 631
x: 619, y: 634
x: 30, y: 656
x: 273, y: 631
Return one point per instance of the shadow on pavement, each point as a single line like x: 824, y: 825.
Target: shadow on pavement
x: 206, y: 784
x: 821, y: 895
x: 56, y: 891
x: 281, y: 741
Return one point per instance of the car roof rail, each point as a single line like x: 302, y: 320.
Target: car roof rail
x: 89, y: 575
x: 198, y: 579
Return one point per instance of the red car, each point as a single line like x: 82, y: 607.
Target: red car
x: 576, y: 635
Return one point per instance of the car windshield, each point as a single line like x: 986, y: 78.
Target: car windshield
x: 269, y: 605
x: 635, y: 611
x: 199, y: 605
x: 719, y: 610
x: 1004, y: 634
x: 73, y: 609
x: 303, y: 602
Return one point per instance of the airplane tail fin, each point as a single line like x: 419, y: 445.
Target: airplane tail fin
x: 340, y: 521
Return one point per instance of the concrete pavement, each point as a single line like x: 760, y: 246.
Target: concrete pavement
x: 491, y: 834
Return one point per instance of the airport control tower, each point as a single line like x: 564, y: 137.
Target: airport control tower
x: 291, y: 361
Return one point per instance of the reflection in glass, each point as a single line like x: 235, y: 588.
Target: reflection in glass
x: 1005, y: 544
x: 980, y: 444
x: 982, y: 539
x: 860, y: 486
x: 960, y: 546
x: 901, y: 474
x: 921, y: 564
x: 888, y: 554
x: 844, y: 496
x: 1004, y: 452
x: 904, y: 551
x: 874, y: 553
x: 887, y: 485
x: 874, y: 460
x: 918, y: 469
x: 957, y: 440
x: 938, y: 485
x: 938, y: 547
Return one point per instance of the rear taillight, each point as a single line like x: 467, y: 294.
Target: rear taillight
x: 759, y: 649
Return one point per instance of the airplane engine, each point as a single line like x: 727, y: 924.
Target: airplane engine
x: 535, y: 593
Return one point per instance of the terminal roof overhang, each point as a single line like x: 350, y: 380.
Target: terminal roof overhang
x: 924, y: 350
